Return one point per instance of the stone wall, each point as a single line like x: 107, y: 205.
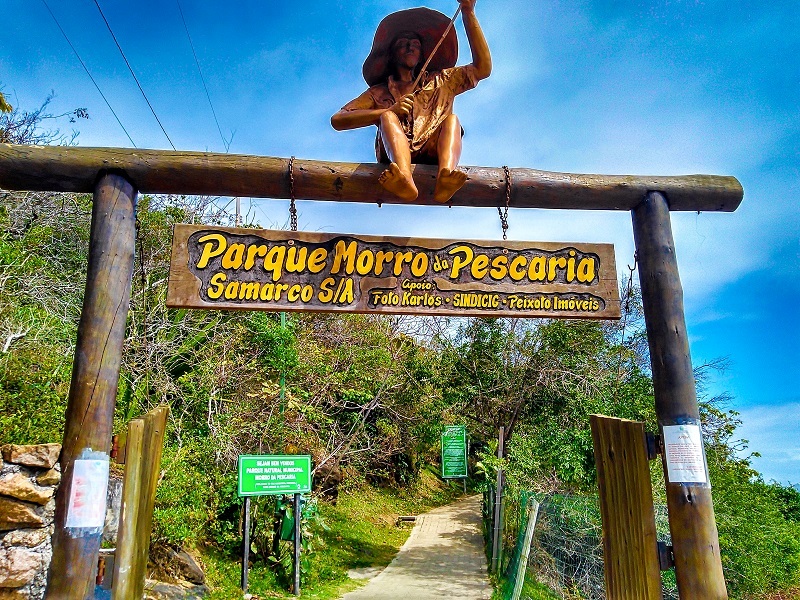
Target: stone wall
x: 29, y: 477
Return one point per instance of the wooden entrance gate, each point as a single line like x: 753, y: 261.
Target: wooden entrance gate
x: 630, y: 551
x: 116, y: 175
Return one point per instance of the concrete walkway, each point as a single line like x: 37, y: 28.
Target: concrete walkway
x: 443, y: 558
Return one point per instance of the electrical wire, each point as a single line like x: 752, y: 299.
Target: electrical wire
x: 97, y: 4
x: 203, y: 79
x: 85, y: 68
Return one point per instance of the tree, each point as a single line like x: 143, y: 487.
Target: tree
x: 5, y: 107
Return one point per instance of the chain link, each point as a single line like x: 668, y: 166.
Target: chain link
x: 504, y: 213
x: 292, y: 205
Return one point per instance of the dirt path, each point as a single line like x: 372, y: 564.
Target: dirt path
x: 443, y: 558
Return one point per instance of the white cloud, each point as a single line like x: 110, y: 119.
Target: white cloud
x: 774, y: 432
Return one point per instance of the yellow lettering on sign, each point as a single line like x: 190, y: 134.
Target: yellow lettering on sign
x: 380, y: 258
x: 419, y: 266
x: 554, y: 263
x: 537, y: 269
x: 252, y: 252
x: 344, y: 252
x: 279, y: 288
x: 216, y: 285
x: 399, y: 259
x: 232, y: 290
x: 209, y: 251
x: 234, y: 257
x: 296, y: 259
x: 326, y: 290
x: 586, y: 270
x: 462, y: 256
x: 274, y: 261
x: 499, y: 267
x: 249, y: 290
x: 365, y: 261
x: 571, y: 267
x: 517, y: 268
x: 266, y: 292
x: 480, y: 266
x: 316, y: 260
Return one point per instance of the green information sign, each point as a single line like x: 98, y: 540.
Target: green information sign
x: 454, y: 452
x: 271, y: 475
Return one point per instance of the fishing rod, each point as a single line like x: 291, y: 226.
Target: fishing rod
x: 435, y: 48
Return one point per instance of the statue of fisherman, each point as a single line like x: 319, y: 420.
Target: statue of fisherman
x: 414, y: 111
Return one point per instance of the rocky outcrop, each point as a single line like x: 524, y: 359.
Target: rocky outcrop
x: 29, y: 476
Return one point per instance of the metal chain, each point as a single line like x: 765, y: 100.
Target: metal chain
x: 504, y: 214
x: 292, y: 205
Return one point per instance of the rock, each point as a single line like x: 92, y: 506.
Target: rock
x: 51, y: 477
x: 49, y: 512
x: 187, y: 566
x: 30, y: 538
x: 19, y: 486
x: 7, y: 594
x: 156, y: 590
x: 37, y: 455
x: 18, y: 566
x: 18, y: 515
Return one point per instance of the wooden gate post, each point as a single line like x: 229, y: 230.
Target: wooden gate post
x: 95, y: 374
x: 695, y: 541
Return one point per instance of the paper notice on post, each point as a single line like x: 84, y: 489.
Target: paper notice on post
x: 683, y: 448
x: 87, y: 497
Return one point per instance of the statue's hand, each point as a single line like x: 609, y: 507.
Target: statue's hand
x: 467, y: 6
x: 403, y: 106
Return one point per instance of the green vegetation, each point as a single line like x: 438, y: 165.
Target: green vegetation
x: 360, y: 531
x: 366, y: 396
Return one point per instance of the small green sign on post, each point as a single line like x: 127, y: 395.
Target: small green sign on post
x: 272, y: 475
x: 454, y: 452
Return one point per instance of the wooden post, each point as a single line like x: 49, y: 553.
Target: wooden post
x: 155, y: 424
x: 498, y: 502
x: 95, y: 373
x: 630, y: 549
x: 698, y: 567
x: 142, y: 467
x: 129, y: 512
x: 522, y: 567
x: 74, y: 169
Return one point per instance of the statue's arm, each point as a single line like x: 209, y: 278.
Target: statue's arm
x: 363, y: 111
x: 481, y: 57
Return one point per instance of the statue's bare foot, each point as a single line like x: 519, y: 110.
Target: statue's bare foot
x: 398, y: 183
x: 448, y: 183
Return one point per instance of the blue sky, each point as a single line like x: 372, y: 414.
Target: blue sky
x: 662, y: 87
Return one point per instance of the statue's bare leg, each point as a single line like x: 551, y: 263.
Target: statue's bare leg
x: 397, y: 178
x: 449, y: 179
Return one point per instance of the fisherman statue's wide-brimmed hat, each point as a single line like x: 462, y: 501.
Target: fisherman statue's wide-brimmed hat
x: 429, y: 24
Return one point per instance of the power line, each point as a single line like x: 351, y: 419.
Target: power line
x: 78, y: 56
x: 205, y: 87
x: 134, y: 74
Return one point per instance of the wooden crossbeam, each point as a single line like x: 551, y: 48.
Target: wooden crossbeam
x: 74, y: 169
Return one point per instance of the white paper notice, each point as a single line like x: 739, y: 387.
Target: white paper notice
x: 87, y: 498
x: 683, y: 446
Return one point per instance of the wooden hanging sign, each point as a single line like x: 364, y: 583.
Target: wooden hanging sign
x: 257, y: 269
